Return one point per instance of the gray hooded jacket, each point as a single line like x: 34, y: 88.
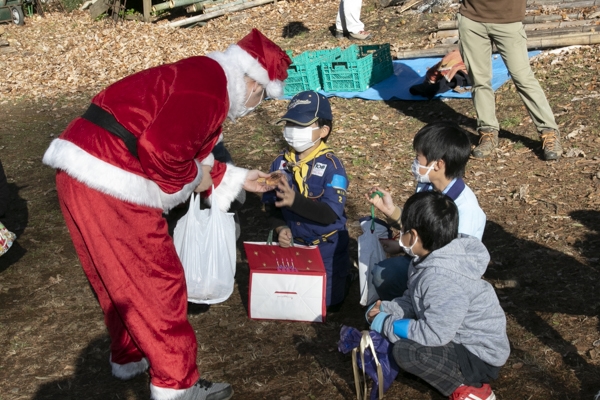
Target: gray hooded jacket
x: 448, y: 300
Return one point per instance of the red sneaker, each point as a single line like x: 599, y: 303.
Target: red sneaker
x: 472, y: 393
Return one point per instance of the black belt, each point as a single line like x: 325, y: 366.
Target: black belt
x: 107, y: 121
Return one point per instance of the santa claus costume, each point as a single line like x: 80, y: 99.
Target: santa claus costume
x: 113, y: 189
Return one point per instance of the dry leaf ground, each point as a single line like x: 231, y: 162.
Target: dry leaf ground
x: 543, y: 218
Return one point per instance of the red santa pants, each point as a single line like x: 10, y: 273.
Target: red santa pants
x: 130, y: 260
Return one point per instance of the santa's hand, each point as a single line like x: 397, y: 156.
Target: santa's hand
x: 206, y: 181
x: 384, y: 204
x: 284, y: 236
x: 252, y: 185
x: 285, y: 193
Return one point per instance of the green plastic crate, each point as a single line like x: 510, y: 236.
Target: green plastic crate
x: 357, y: 68
x: 304, y: 73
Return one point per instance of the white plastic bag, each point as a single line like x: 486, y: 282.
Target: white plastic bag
x: 370, y: 252
x: 205, y: 243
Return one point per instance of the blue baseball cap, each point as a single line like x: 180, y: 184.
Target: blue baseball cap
x: 306, y: 107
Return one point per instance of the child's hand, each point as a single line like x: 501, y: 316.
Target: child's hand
x: 206, y: 181
x: 385, y: 204
x: 390, y: 246
x: 284, y: 193
x: 374, y: 311
x: 252, y: 183
x: 285, y: 237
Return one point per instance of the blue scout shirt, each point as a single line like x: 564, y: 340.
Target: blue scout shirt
x: 327, y: 182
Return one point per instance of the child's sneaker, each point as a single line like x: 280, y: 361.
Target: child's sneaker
x: 464, y: 392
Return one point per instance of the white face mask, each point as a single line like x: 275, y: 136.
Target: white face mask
x: 416, y: 168
x: 408, y: 250
x: 248, y: 110
x: 299, y: 138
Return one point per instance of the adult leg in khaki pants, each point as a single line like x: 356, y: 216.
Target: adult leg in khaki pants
x: 476, y: 40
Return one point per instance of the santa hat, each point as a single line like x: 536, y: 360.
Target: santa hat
x: 264, y: 61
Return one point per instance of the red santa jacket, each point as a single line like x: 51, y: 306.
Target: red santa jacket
x: 176, y: 112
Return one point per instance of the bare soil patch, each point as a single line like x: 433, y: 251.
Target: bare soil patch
x: 543, y: 219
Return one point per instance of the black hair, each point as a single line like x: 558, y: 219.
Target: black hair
x: 321, y: 122
x: 444, y: 141
x: 434, y: 216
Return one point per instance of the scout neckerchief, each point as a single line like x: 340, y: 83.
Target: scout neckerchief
x: 300, y: 168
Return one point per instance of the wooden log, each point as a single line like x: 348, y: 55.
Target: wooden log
x: 204, y: 17
x: 575, y: 4
x: 544, y: 2
x: 556, y: 33
x: 181, y: 3
x: 224, y: 6
x: 196, y: 7
x: 532, y: 19
x: 161, y: 6
x: 536, y: 43
x: 548, y: 28
x: 563, y: 41
x: 437, y: 51
x: 563, y: 31
x: 207, y: 6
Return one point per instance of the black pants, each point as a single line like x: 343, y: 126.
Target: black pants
x: 438, y: 366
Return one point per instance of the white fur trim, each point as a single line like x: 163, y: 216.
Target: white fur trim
x: 220, y: 138
x: 229, y: 188
x: 209, y: 161
x: 159, y: 393
x: 112, y: 180
x: 275, y: 89
x: 129, y: 370
x: 236, y: 63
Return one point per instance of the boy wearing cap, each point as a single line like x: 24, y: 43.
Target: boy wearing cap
x: 142, y: 147
x: 308, y: 205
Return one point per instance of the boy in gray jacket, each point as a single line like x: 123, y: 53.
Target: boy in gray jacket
x: 448, y: 328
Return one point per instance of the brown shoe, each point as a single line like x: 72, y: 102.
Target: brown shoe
x: 362, y: 35
x: 487, y: 143
x: 551, y: 144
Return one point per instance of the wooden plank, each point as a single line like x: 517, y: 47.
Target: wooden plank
x: 204, y: 17
x: 98, y: 8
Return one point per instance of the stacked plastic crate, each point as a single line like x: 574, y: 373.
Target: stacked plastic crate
x: 354, y: 69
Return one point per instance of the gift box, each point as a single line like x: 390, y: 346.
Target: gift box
x: 286, y: 283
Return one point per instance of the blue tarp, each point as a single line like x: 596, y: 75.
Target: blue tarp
x: 412, y: 72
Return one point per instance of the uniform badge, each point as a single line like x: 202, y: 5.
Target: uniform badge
x: 319, y: 169
x: 283, y: 164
